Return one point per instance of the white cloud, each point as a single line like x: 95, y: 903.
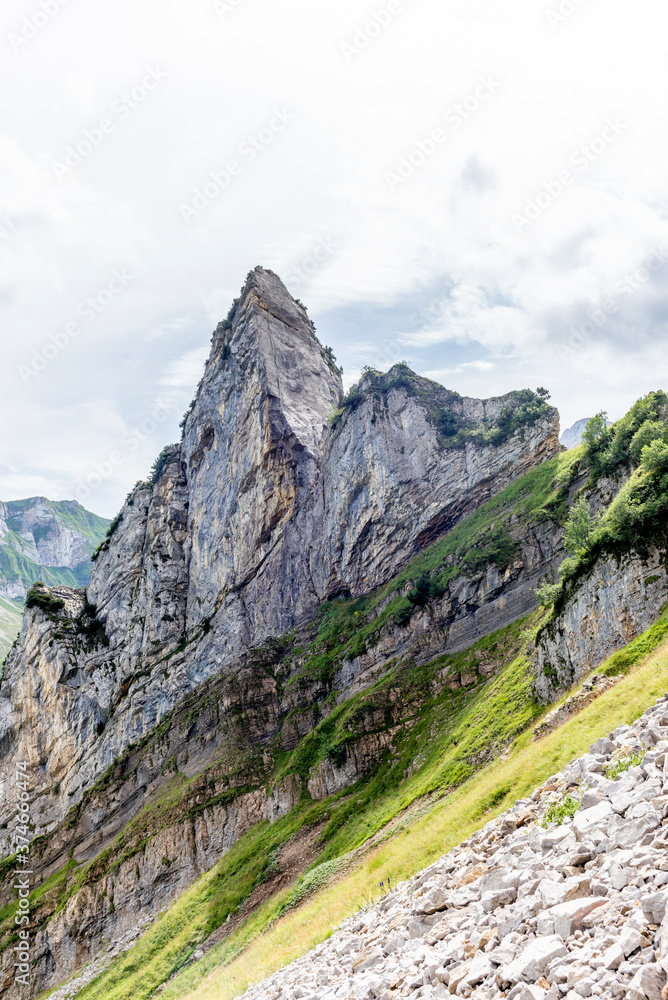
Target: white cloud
x: 474, y: 299
x: 481, y: 366
x: 186, y: 371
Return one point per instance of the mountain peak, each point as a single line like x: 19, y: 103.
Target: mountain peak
x: 264, y: 293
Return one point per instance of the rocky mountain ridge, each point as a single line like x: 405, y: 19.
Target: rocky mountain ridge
x: 257, y: 517
x: 55, y: 535
x: 315, y: 592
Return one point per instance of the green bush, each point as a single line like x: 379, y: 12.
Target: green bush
x: 104, y: 545
x: 448, y: 424
x: 609, y: 449
x: 168, y: 453
x: 532, y: 407
x: 557, y: 812
x: 655, y: 458
x: 229, y: 319
x: 547, y: 594
x: 579, y: 526
x: 330, y: 358
x: 651, y: 430
x: 637, y: 519
x: 42, y: 599
x: 89, y: 625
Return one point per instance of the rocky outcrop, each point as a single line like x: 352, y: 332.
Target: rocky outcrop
x: 260, y: 513
x: 143, y: 884
x: 594, y: 686
x: 393, y: 486
x: 526, y: 910
x: 618, y: 601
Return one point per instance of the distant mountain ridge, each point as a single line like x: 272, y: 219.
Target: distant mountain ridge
x: 572, y: 436
x: 45, y: 540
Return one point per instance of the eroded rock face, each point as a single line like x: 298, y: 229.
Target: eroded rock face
x: 144, y: 884
x: 261, y: 512
x: 613, y: 606
x: 391, y: 487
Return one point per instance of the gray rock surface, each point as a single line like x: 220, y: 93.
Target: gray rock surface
x: 613, y: 606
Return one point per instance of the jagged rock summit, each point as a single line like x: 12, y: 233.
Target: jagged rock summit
x: 281, y: 494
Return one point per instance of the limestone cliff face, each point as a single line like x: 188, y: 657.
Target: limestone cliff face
x: 392, y: 486
x: 260, y: 513
x: 619, y: 601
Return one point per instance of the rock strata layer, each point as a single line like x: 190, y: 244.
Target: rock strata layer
x: 614, y: 605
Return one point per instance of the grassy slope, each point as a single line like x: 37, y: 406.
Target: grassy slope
x: 439, y: 731
x: 444, y: 742
x: 11, y: 615
x: 449, y: 822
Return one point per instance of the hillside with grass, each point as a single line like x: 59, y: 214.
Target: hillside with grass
x: 398, y: 827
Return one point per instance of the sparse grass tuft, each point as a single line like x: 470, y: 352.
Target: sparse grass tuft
x: 624, y: 763
x: 556, y: 812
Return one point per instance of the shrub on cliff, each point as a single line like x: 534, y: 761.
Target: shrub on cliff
x: 40, y: 598
x: 168, y: 453
x: 610, y: 449
x: 104, y: 545
x: 637, y: 519
x: 579, y: 526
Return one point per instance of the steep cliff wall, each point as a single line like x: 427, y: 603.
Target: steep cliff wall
x: 615, y: 604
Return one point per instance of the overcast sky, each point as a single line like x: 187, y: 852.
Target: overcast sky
x: 475, y: 187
